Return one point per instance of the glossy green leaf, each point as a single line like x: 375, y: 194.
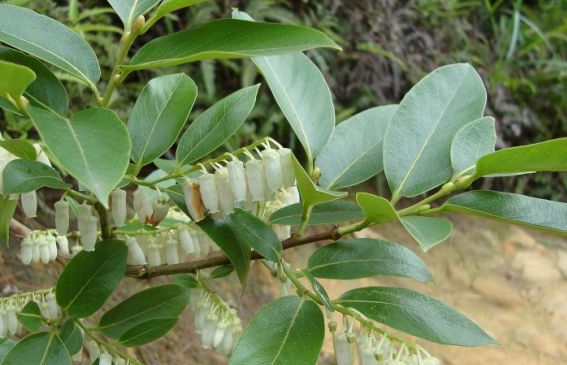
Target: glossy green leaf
x: 326, y: 213
x: 166, y: 301
x: 7, y: 210
x: 362, y: 258
x: 376, y: 209
x: 41, y: 348
x: 418, y: 140
x: 216, y: 125
x: 319, y: 290
x: 427, y: 231
x: 22, y: 176
x: 9, y: 107
x: 221, y: 272
x: 227, y: 38
x: 147, y: 331
x: 354, y: 153
x: 188, y: 281
x: 257, y: 234
x: 416, y: 314
x: 169, y: 6
x: 30, y: 317
x: 14, y: 79
x: 301, y: 93
x: 239, y: 252
x: 93, y: 146
x: 287, y: 331
x: 46, y: 91
x: 159, y: 115
x: 472, y: 142
x: 71, y: 336
x: 6, y: 345
x: 129, y: 10
x: 20, y: 148
x: 512, y: 208
x: 90, y: 278
x: 26, y: 30
x: 545, y: 156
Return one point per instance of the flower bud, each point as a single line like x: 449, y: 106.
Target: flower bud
x: 160, y: 207
x: 62, y: 217
x: 26, y: 253
x: 343, y: 350
x: 119, y: 207
x: 192, y: 194
x: 209, y: 193
x: 142, y: 205
x: 227, y: 344
x: 237, y: 178
x: 84, y: 214
x: 36, y: 254
x: 52, y: 307
x: 29, y: 203
x: 12, y: 322
x: 154, y: 254
x: 44, y: 254
x: 220, y: 332
x: 185, y: 239
x: 52, y: 244
x: 171, y: 252
x: 89, y: 234
x: 63, y: 244
x: 256, y: 178
x: 273, y: 169
x: 288, y: 171
x: 94, y: 350
x: 226, y: 197
x: 136, y: 252
x: 105, y: 359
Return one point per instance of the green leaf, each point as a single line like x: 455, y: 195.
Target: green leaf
x: 169, y: 6
x: 14, y: 79
x: 301, y: 93
x: 90, y: 278
x: 416, y: 314
x: 160, y: 302
x: 30, y: 317
x: 512, y: 208
x: 257, y: 234
x: 40, y: 348
x: 49, y: 40
x: 363, y: 258
x: 175, y: 193
x: 239, y: 252
x: 46, y: 91
x: 376, y: 209
x: 221, y: 272
x: 129, y: 10
x: 7, y: 210
x: 287, y: 331
x: 71, y: 336
x: 227, y: 38
x: 427, y: 231
x: 216, y: 125
x: 20, y: 148
x: 545, y: 156
x: 159, y: 115
x: 22, y: 176
x: 418, y: 140
x: 319, y: 290
x: 354, y: 153
x: 326, y: 213
x: 9, y: 107
x: 147, y: 331
x: 472, y: 142
x: 188, y: 281
x: 93, y: 146
x: 6, y: 345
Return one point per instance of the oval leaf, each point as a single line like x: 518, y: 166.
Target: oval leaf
x: 427, y: 231
x: 227, y: 38
x: 326, y: 213
x: 40, y: 348
x: 376, y: 209
x: 71, y: 336
x: 257, y: 234
x: 166, y: 301
x: 46, y: 91
x: 147, y: 331
x: 287, y: 331
x: 90, y: 278
x: 6, y: 345
x: 416, y: 314
x: 7, y: 210
x: 30, y: 317
x: 216, y: 125
x: 512, y: 208
x: 362, y: 258
x: 418, y: 140
x: 129, y: 10
x: 93, y: 146
x: 22, y: 176
x: 26, y: 30
x: 473, y: 141
x: 20, y: 148
x: 14, y: 79
x: 354, y: 153
x: 159, y: 115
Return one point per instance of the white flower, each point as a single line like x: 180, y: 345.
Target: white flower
x: 136, y: 253
x: 154, y: 254
x: 171, y: 251
x: 105, y: 359
x: 193, y: 200
x: 93, y: 350
x: 288, y: 170
x: 26, y: 254
x: 224, y: 190
x: 237, y: 177
x: 343, y: 349
x: 29, y: 203
x: 63, y: 244
x: 256, y: 178
x: 209, y: 193
x: 273, y: 169
x: 52, y: 244
x: 185, y: 239
x: 62, y: 217
x: 160, y: 207
x: 142, y: 205
x: 119, y: 207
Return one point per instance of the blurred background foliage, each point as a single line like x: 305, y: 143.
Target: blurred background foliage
x: 519, y: 47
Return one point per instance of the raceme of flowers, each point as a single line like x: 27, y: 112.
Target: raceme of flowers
x: 11, y: 306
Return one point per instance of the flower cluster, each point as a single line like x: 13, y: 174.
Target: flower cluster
x: 238, y: 184
x: 104, y: 358
x: 216, y: 322
x: 11, y: 306
x: 373, y: 350
x: 42, y: 246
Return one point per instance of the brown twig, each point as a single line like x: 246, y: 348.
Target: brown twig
x: 147, y: 272
x: 20, y: 230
